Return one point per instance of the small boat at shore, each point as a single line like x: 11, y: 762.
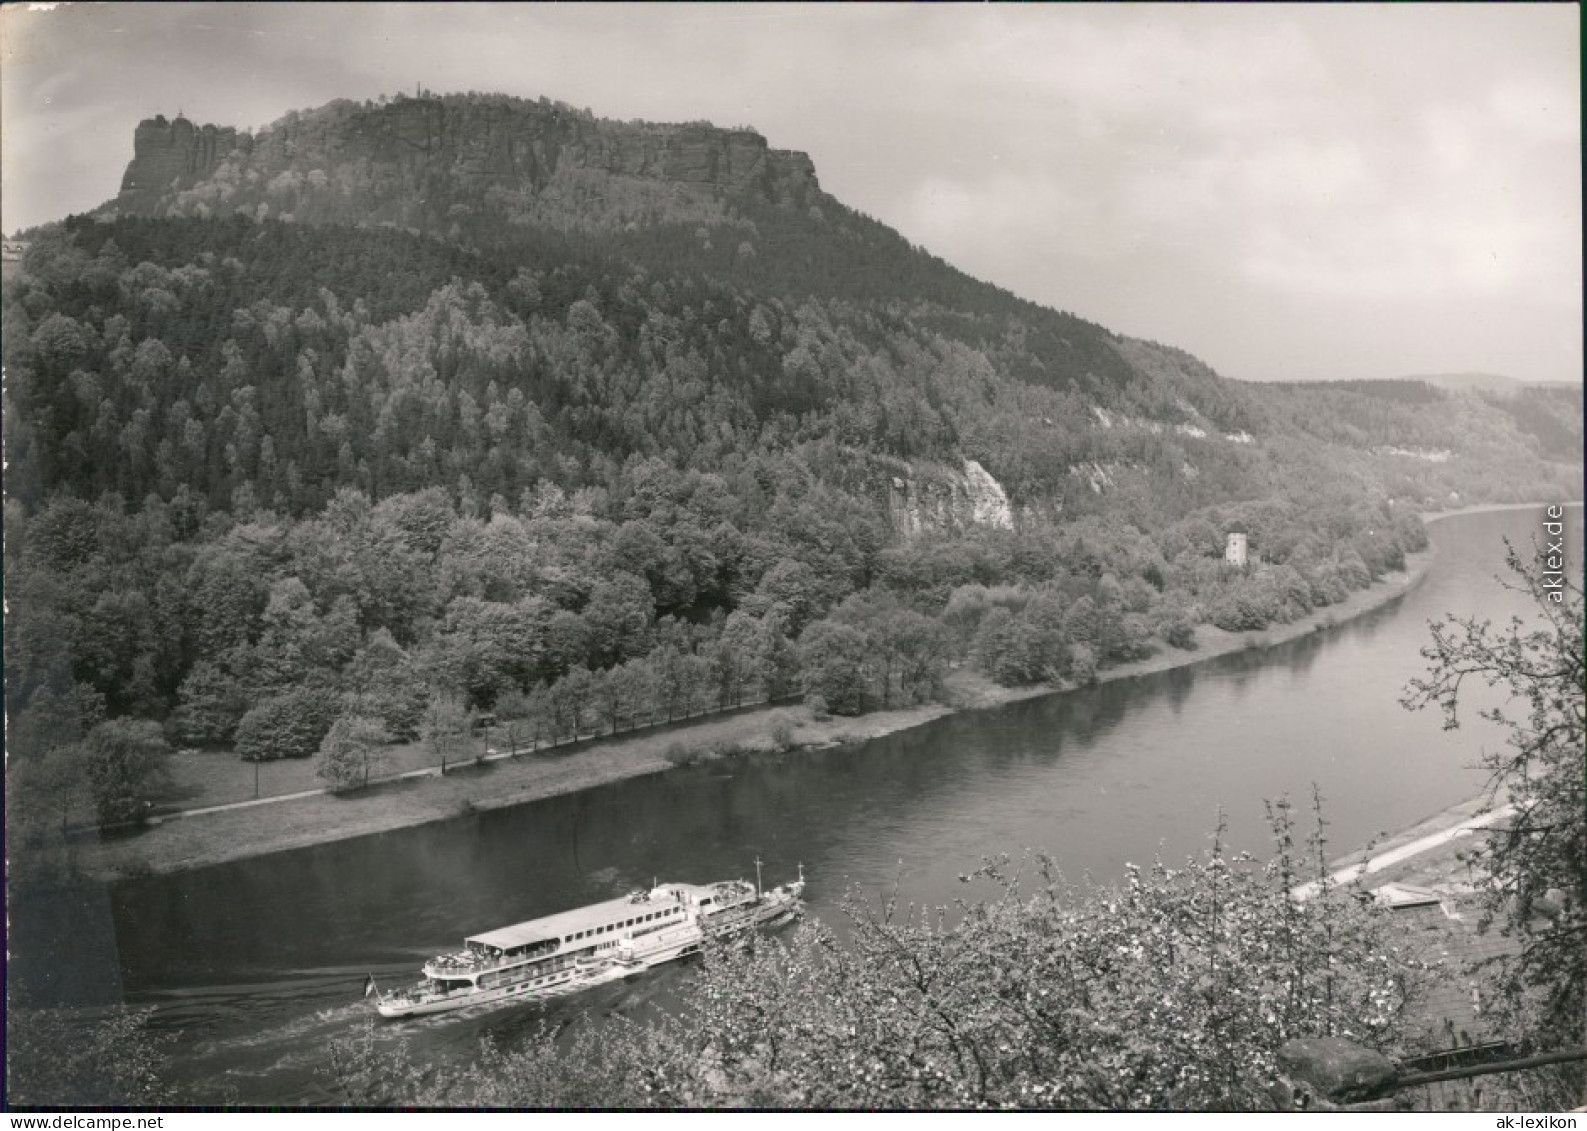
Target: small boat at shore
x: 576, y: 950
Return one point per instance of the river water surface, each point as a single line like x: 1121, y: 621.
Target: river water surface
x: 259, y: 963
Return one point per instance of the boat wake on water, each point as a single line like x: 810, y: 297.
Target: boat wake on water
x: 249, y: 1031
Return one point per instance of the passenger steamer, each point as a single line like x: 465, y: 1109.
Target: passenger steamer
x: 575, y: 950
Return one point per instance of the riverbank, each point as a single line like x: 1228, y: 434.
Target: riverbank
x: 1427, y: 855
x: 242, y: 831
x: 1492, y: 508
x: 206, y: 781
x: 1430, y: 876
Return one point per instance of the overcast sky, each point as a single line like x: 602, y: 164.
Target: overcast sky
x: 1288, y: 192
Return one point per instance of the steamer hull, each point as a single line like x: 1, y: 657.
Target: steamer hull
x: 576, y: 950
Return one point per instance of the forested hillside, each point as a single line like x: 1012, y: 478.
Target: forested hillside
x: 398, y: 411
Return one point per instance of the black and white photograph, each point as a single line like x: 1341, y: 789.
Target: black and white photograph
x: 858, y: 557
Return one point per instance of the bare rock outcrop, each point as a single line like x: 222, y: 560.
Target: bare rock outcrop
x: 168, y: 155
x: 942, y: 499
x: 420, y: 160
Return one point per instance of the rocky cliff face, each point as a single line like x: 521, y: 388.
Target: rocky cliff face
x: 170, y: 155
x: 941, y: 499
x: 427, y: 159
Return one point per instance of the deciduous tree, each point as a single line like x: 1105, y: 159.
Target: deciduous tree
x: 352, y: 750
x: 126, y: 767
x: 1538, y: 864
x: 832, y: 663
x: 290, y: 725
x: 446, y: 727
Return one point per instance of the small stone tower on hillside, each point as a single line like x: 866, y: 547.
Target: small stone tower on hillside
x: 1235, y: 552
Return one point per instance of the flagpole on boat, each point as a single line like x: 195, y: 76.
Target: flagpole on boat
x: 757, y: 877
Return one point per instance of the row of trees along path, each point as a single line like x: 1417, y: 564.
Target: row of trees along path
x: 358, y: 752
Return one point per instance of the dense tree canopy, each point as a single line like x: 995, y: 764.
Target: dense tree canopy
x: 265, y: 474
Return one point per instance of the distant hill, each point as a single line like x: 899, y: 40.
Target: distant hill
x: 470, y: 396
x: 1481, y: 382
x: 722, y: 286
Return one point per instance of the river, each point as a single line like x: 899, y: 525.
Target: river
x: 259, y: 963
